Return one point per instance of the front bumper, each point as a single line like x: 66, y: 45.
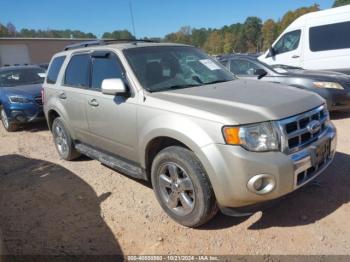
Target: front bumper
x: 25, y: 114
x: 336, y: 99
x: 230, y: 168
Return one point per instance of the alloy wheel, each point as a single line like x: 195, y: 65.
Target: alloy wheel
x: 61, y: 140
x: 176, y: 189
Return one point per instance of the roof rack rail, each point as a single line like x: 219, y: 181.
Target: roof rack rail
x: 83, y: 44
x: 105, y: 42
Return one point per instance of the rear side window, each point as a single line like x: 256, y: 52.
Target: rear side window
x: 54, y: 69
x: 105, y: 68
x: 78, y: 71
x: 330, y: 37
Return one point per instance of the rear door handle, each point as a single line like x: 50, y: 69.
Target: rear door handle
x: 295, y: 56
x: 93, y: 102
x: 62, y: 96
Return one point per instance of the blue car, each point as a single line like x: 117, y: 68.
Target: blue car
x: 20, y: 95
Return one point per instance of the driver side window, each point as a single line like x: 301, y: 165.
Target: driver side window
x: 288, y: 42
x: 105, y: 68
x: 243, y: 67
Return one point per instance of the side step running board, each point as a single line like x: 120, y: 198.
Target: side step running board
x: 114, y: 162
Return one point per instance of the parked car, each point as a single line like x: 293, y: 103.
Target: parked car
x: 316, y: 41
x: 170, y: 114
x: 20, y: 95
x: 332, y: 86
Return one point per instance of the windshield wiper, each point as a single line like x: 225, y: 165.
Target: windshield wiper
x: 216, y: 81
x: 34, y: 82
x: 174, y: 87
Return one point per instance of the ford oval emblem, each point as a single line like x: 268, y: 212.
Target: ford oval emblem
x: 314, y: 126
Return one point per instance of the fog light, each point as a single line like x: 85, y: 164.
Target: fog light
x: 261, y: 184
x: 21, y: 118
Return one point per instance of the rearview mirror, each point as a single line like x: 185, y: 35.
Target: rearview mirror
x: 260, y: 73
x: 113, y: 86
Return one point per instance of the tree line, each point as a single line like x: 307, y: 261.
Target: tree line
x: 253, y: 35
x: 249, y: 37
x: 9, y: 30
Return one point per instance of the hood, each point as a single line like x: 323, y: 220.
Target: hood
x: 24, y: 90
x: 239, y: 101
x: 327, y: 75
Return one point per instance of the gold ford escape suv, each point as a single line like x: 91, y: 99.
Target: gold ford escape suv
x: 170, y: 114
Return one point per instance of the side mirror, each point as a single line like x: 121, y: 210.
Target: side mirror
x: 260, y: 73
x: 272, y: 52
x: 113, y: 86
x: 42, y: 75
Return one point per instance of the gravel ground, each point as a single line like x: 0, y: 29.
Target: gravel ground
x: 49, y: 206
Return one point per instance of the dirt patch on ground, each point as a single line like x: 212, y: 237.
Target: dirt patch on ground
x: 49, y: 206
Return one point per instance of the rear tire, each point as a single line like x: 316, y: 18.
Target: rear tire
x: 182, y: 187
x: 63, y: 141
x: 9, y: 127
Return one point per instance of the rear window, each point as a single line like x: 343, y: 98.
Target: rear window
x: 330, y: 37
x: 78, y: 71
x: 54, y: 70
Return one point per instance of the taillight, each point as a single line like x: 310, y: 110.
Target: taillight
x: 42, y: 95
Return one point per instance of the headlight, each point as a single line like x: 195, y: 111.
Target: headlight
x: 19, y: 100
x: 333, y: 85
x: 256, y: 137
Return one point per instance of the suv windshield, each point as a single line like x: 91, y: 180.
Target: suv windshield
x: 173, y: 67
x: 21, y: 76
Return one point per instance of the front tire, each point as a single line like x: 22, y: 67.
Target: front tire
x: 63, y: 141
x: 10, y: 127
x: 182, y: 187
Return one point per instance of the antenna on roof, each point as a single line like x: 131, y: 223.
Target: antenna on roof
x: 132, y: 19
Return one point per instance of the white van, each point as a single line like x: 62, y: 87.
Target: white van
x: 317, y: 41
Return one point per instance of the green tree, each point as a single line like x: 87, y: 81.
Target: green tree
x: 3, y: 31
x: 118, y: 34
x: 269, y: 33
x: 27, y: 33
x: 170, y: 38
x: 11, y: 29
x: 181, y: 36
x: 290, y: 16
x: 341, y: 3
x: 214, y: 43
x: 199, y: 36
x: 229, y: 42
x: 241, y: 43
x: 252, y: 31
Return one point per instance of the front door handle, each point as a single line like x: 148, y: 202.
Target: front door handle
x: 295, y: 56
x: 62, y: 96
x: 93, y: 102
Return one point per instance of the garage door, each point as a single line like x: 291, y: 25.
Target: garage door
x: 14, y: 54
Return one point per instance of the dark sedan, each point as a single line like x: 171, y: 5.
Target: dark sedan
x: 333, y: 87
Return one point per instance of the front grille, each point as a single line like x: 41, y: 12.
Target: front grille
x: 38, y: 100
x: 306, y: 175
x: 295, y: 131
